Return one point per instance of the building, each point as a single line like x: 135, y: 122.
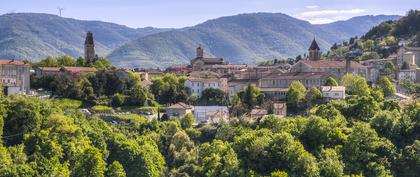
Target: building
x: 336, y: 68
x: 258, y: 113
x: 90, y: 55
x: 201, y: 63
x: 333, y: 92
x: 199, y: 81
x: 65, y: 70
x: 210, y: 114
x: 283, y: 80
x: 14, y: 76
x: 179, y: 110
x: 314, y: 51
x: 280, y: 109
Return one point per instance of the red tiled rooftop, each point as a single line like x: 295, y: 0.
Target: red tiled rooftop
x: 11, y: 62
x: 332, y: 64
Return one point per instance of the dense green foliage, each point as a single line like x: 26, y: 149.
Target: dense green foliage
x: 356, y: 136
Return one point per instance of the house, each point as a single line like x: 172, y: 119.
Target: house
x: 333, y: 92
x: 14, y: 76
x: 275, y: 93
x: 178, y: 110
x: 44, y: 71
x: 210, y: 114
x: 258, y: 113
x: 280, y: 109
x: 199, y: 81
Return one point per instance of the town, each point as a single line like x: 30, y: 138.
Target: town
x: 249, y: 95
x: 204, y: 75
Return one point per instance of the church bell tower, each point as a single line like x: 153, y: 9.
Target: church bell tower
x: 314, y: 51
x: 89, y: 48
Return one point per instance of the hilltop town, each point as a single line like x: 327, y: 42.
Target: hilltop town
x: 349, y: 111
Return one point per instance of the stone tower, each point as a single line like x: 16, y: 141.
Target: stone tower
x: 89, y: 48
x: 200, y: 52
x: 314, y: 51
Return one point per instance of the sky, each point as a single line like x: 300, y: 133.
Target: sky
x: 183, y: 13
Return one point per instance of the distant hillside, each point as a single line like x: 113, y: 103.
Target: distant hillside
x: 357, y: 26
x: 246, y: 38
x: 33, y: 36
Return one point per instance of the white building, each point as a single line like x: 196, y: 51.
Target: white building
x: 333, y: 92
x: 209, y: 114
x: 14, y: 76
x: 197, y: 85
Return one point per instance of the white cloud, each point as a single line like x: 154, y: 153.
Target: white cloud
x: 312, y: 7
x: 328, y: 15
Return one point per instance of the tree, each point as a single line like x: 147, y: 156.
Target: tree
x: 66, y: 60
x: 115, y: 170
x: 218, y: 159
x: 355, y: 85
x: 386, y: 86
x: 138, y: 95
x: 313, y: 96
x: 330, y: 164
x: 295, y: 95
x: 187, y: 121
x: 251, y: 96
x: 169, y: 89
x: 213, y: 97
x: 90, y: 163
x: 118, y: 100
x: 47, y: 62
x: 365, y: 152
x: 331, y: 82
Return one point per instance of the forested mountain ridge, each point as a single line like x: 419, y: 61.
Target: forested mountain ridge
x: 33, y: 36
x: 245, y: 38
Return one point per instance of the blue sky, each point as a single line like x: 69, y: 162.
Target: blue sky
x: 181, y: 13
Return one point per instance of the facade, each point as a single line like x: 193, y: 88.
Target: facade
x: 210, y: 114
x: 90, y: 55
x: 258, y: 113
x: 280, y: 109
x: 283, y: 80
x: 275, y: 94
x: 179, y: 110
x: 201, y: 80
x: 14, y: 76
x: 333, y: 92
x: 336, y: 68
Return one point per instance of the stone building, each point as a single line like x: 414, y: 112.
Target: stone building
x: 201, y: 63
x: 336, y: 68
x: 90, y: 55
x: 14, y: 76
x: 179, y: 110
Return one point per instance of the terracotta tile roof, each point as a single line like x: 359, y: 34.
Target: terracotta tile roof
x: 79, y: 69
x: 331, y: 64
x: 213, y: 60
x: 259, y: 112
x: 230, y: 66
x: 296, y: 75
x: 275, y: 89
x: 333, y: 89
x: 11, y: 62
x: 180, y: 105
x: 50, y: 69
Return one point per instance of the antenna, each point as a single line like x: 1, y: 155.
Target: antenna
x: 60, y: 9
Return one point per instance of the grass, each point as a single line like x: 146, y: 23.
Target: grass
x: 67, y: 103
x: 101, y: 108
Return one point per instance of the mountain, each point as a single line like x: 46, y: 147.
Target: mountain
x: 356, y: 26
x: 245, y: 38
x: 33, y: 36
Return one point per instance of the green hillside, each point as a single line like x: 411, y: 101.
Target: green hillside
x: 33, y: 36
x: 246, y: 38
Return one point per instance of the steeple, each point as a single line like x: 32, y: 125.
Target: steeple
x: 200, y: 52
x: 89, y: 48
x: 314, y: 51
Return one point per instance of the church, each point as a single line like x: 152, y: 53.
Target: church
x: 90, y: 55
x: 201, y: 63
